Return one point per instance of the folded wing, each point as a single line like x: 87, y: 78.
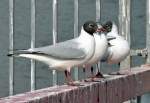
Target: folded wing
x: 64, y: 50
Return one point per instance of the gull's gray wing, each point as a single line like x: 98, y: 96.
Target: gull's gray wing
x: 64, y: 50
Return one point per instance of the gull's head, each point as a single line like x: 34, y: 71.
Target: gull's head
x: 107, y: 27
x: 90, y: 27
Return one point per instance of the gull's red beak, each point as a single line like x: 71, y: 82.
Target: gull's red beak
x: 101, y: 29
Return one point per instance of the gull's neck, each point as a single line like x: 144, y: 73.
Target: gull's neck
x: 114, y: 28
x: 114, y: 31
x: 84, y: 34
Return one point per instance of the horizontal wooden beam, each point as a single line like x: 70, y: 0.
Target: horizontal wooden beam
x: 112, y: 89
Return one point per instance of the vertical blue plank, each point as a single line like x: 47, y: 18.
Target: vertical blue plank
x: 11, y: 46
x: 76, y: 17
x: 54, y: 36
x: 32, y: 43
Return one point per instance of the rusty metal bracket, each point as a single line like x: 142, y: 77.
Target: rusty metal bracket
x: 139, y: 52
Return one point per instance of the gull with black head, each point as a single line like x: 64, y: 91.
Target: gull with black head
x: 101, y: 45
x: 118, y: 47
x: 65, y: 55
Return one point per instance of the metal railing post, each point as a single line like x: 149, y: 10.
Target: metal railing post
x: 148, y: 31
x: 98, y: 17
x: 124, y: 26
x: 11, y: 46
x: 124, y: 29
x: 54, y: 36
x: 98, y: 10
x: 76, y: 17
x: 32, y: 44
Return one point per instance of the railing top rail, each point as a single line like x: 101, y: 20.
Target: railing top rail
x: 113, y: 89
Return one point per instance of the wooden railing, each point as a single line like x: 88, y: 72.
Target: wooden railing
x: 112, y: 89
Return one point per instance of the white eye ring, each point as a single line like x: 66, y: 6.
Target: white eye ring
x: 91, y: 25
x: 107, y: 25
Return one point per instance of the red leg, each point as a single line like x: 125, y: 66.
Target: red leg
x: 84, y: 72
x: 93, y: 77
x: 99, y: 74
x: 68, y: 78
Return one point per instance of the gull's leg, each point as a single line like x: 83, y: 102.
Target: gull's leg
x: 119, y: 64
x: 68, y: 77
x: 92, y: 71
x: 93, y: 77
x: 122, y: 72
x: 70, y: 80
x: 84, y: 72
x: 85, y: 75
x: 99, y: 74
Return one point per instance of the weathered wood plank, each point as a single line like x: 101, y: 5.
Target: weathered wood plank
x: 112, y: 89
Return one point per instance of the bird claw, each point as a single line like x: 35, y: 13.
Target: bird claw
x: 99, y: 75
x: 95, y: 78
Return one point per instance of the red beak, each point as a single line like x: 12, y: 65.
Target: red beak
x: 101, y: 30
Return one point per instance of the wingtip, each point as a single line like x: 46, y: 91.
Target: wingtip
x: 16, y: 52
x: 9, y: 55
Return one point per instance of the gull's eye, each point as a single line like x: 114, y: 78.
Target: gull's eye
x: 107, y: 25
x: 91, y: 25
x: 109, y: 28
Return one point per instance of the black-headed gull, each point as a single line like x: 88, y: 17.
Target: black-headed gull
x: 65, y: 55
x: 118, y: 47
x: 101, y: 45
